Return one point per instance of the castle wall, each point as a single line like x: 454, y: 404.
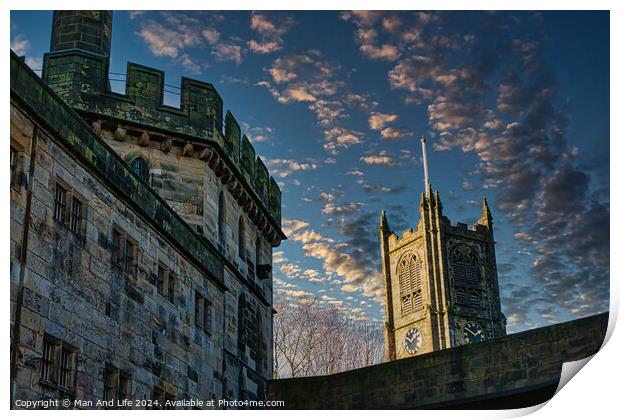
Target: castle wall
x: 65, y: 286
x: 73, y: 292
x: 514, y: 371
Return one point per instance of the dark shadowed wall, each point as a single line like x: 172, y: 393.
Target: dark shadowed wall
x: 514, y: 371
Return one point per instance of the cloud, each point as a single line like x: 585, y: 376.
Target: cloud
x: 258, y: 134
x: 270, y: 32
x: 307, y: 78
x: 211, y: 35
x: 384, y: 52
x: 340, y: 137
x: 20, y: 45
x: 382, y: 159
x: 165, y: 42
x: 445, y: 114
x: 342, y: 260
x: 290, y: 226
x: 227, y: 52
x: 391, y: 133
x: 278, y: 257
x: 287, y: 167
x: 378, y: 120
x: 331, y: 208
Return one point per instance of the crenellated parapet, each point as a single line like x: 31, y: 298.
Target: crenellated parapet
x: 80, y: 78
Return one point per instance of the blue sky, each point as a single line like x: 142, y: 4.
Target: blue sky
x: 515, y: 106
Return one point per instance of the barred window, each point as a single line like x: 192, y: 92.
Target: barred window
x: 124, y: 251
x: 57, y: 363
x: 60, y: 203
x: 410, y: 280
x: 161, y: 279
x: 124, y: 386
x: 207, y: 316
x: 141, y: 168
x: 116, y: 384
x: 162, y: 397
x: 109, y: 380
x: 117, y: 244
x: 198, y: 309
x: 172, y: 285
x: 76, y: 215
x: 64, y: 374
x: 130, y: 255
x: 47, y: 361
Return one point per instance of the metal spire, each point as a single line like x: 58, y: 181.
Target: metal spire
x: 427, y: 185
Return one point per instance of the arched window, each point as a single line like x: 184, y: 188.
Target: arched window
x: 465, y: 266
x: 141, y: 168
x: 241, y: 239
x: 410, y: 280
x: 465, y: 274
x: 221, y: 217
x: 257, y: 251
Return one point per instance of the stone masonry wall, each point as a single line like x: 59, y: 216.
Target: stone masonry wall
x: 72, y: 291
x: 508, y: 365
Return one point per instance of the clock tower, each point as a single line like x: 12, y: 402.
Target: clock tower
x: 440, y: 279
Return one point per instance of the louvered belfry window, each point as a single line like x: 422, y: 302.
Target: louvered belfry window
x: 410, y: 280
x: 465, y: 266
x: 466, y: 275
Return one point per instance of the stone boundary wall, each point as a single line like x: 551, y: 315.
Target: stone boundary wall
x: 514, y: 364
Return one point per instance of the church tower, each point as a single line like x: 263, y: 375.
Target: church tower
x: 440, y: 280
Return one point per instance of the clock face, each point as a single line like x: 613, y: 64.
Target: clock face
x: 413, y: 341
x: 473, y: 333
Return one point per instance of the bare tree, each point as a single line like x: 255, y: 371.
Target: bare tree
x: 311, y: 339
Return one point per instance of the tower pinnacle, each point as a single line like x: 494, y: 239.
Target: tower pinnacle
x: 383, y: 224
x: 486, y: 218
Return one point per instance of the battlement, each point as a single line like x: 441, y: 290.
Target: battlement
x: 463, y: 227
x: 81, y: 79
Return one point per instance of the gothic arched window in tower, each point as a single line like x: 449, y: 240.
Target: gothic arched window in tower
x: 465, y: 274
x: 465, y: 265
x: 140, y: 168
x: 410, y: 280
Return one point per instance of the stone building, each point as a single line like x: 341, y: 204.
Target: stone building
x: 141, y: 234
x: 441, y: 287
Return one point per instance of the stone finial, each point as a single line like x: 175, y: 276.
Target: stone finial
x: 422, y: 200
x: 437, y: 201
x: 383, y: 223
x: 487, y: 217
